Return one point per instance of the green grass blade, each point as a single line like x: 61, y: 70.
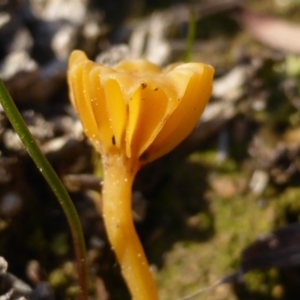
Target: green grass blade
x: 191, y: 36
x: 54, y: 182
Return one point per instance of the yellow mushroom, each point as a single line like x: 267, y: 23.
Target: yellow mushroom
x: 134, y: 113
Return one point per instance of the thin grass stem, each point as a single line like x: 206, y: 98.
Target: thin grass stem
x: 54, y: 182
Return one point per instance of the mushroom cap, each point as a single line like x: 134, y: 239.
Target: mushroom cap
x: 135, y: 108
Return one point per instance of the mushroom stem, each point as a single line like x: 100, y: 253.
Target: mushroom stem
x: 117, y: 215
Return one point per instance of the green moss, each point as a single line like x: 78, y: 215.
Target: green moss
x: 288, y: 206
x: 292, y: 65
x: 233, y: 223
x: 58, y: 278
x: 60, y: 244
x: 209, y: 159
x: 191, y: 265
x: 264, y: 284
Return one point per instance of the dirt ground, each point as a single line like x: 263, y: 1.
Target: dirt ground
x: 225, y: 202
